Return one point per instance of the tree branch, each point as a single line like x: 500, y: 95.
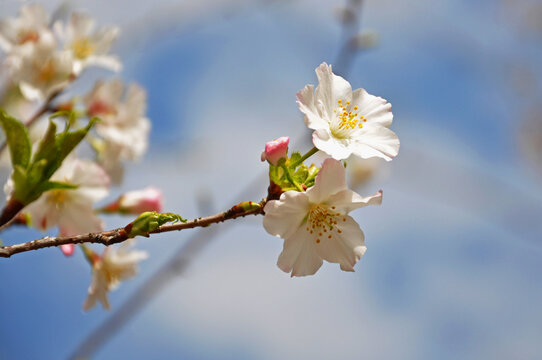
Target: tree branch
x: 121, y: 234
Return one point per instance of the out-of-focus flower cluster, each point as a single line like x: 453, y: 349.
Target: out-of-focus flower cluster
x: 40, y: 57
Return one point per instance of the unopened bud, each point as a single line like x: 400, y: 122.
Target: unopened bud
x: 136, y: 202
x: 67, y: 249
x: 276, y: 150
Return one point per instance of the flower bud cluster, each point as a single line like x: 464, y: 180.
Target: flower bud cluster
x: 42, y: 58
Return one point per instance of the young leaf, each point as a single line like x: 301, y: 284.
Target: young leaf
x: 17, y: 139
x: 56, y: 185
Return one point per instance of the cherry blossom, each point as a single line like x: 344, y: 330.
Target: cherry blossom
x: 88, y: 46
x: 315, y: 226
x: 347, y: 122
x: 109, y: 270
x: 123, y: 126
x: 72, y: 209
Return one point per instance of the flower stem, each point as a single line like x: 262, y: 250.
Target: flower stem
x: 291, y: 179
x: 309, y: 153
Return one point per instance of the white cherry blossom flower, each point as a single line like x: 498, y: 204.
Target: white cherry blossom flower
x: 31, y: 24
x: 108, y: 270
x: 347, y: 122
x: 124, y: 126
x: 41, y: 69
x: 72, y: 209
x: 315, y: 225
x: 88, y: 46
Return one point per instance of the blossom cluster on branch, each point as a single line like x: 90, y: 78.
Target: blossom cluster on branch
x: 51, y: 185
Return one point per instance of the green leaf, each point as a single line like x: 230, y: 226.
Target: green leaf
x: 67, y: 141
x: 17, y: 139
x: 32, y: 181
x: 47, y: 148
x: 56, y: 185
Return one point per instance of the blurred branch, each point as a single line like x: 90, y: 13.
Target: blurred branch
x: 351, y: 21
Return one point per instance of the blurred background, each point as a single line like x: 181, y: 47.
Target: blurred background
x: 453, y: 267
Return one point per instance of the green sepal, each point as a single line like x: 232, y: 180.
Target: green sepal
x: 294, y: 158
x: 150, y: 221
x: 17, y: 139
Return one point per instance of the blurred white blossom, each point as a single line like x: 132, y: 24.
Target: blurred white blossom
x: 315, y: 225
x: 41, y: 69
x: 347, y: 122
x: 72, y: 209
x: 88, y: 46
x: 124, y: 127
x: 28, y: 28
x: 108, y: 270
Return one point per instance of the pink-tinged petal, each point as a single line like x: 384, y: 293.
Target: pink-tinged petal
x: 331, y: 88
x: 375, y: 109
x: 283, y: 217
x: 67, y: 249
x: 336, y: 148
x: 299, y: 255
x: 136, y: 202
x: 376, y: 141
x: 305, y: 101
x: 330, y: 180
x: 347, y: 200
x: 344, y: 245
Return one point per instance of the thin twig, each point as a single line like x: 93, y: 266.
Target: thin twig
x: 119, y: 235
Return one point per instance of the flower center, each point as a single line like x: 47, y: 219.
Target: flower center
x: 28, y: 36
x: 82, y: 48
x: 346, y: 120
x: 98, y: 107
x: 47, y: 71
x: 57, y: 197
x: 322, y: 221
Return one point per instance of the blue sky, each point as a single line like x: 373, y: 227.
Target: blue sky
x: 453, y: 261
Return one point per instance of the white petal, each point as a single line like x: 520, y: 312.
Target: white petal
x: 376, y: 109
x: 299, y: 255
x: 345, y: 248
x: 305, y: 101
x: 283, y: 217
x: 347, y: 200
x: 78, y: 217
x: 336, y: 148
x: 376, y: 141
x: 331, y: 88
x: 109, y: 62
x: 89, y: 174
x: 330, y: 180
x: 97, y: 291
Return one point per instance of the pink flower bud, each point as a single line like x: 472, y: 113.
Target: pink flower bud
x: 276, y: 150
x: 139, y: 201
x: 67, y: 249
